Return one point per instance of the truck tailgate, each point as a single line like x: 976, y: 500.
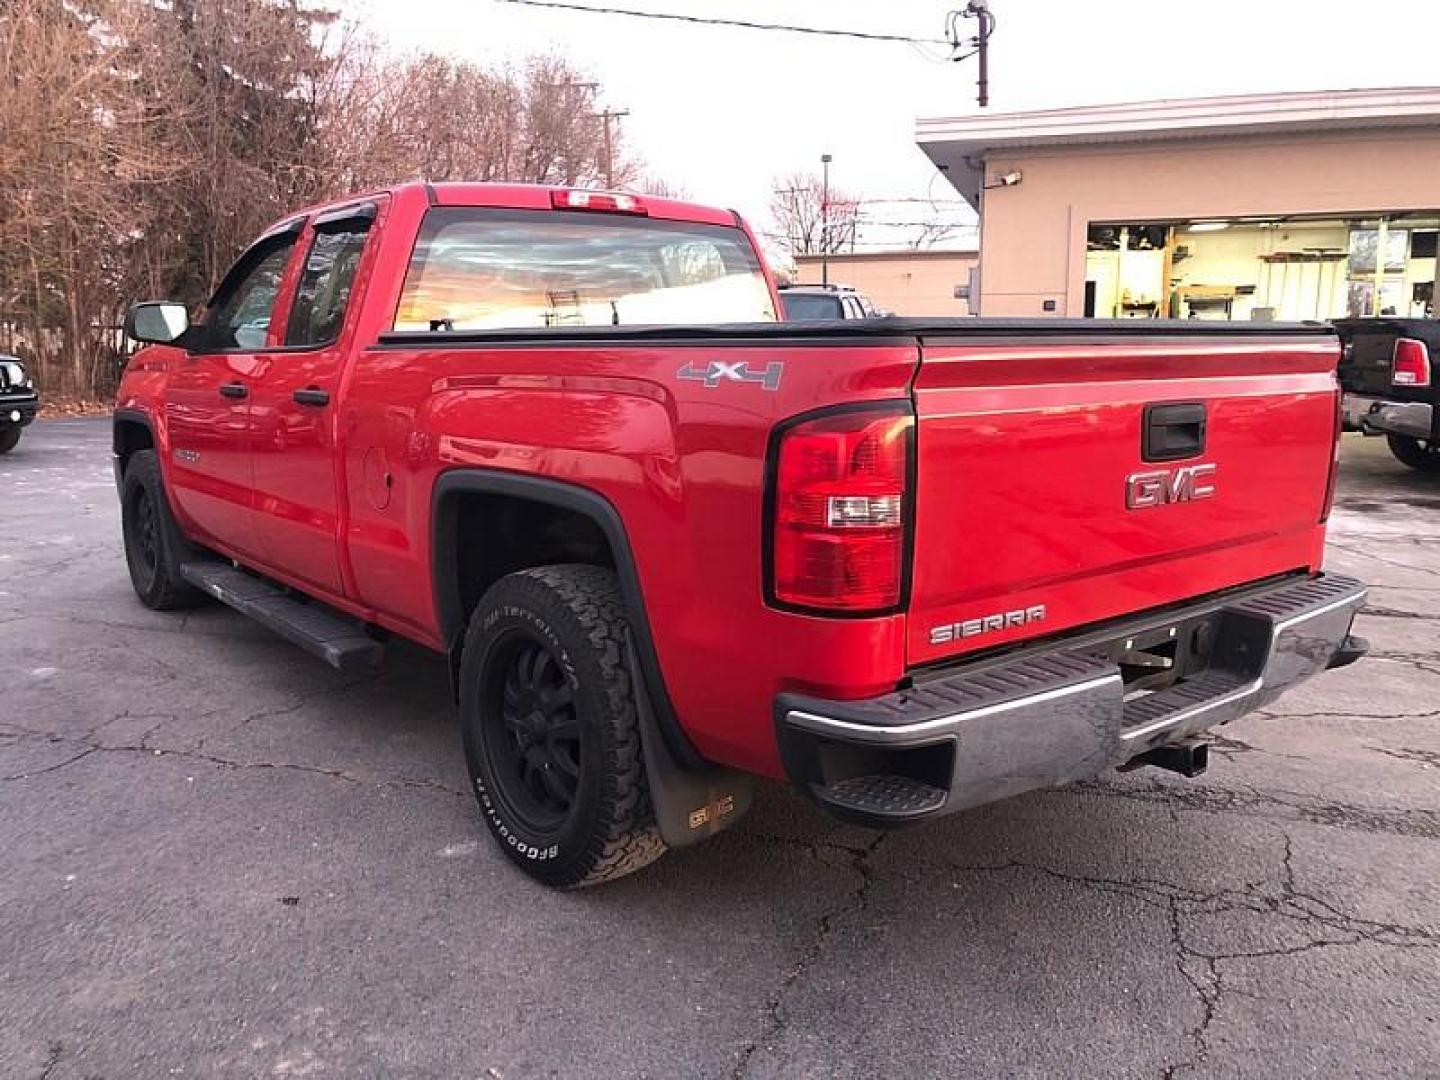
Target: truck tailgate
x: 1039, y: 506
x: 1367, y: 362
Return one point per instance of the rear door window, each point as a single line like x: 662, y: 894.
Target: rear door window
x: 324, y: 291
x: 478, y: 269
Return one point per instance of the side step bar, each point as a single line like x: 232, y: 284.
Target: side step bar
x: 340, y: 642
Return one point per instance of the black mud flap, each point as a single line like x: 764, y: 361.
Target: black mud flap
x: 691, y: 805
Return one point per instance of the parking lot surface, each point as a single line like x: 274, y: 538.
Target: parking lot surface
x: 223, y: 859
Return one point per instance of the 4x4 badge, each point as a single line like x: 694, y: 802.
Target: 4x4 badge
x: 717, y: 371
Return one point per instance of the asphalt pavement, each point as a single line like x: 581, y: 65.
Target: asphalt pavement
x: 220, y: 858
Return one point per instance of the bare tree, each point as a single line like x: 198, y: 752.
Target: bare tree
x: 78, y: 146
x: 812, y: 220
x: 650, y: 184
x: 437, y: 118
x: 931, y: 233
x: 143, y: 143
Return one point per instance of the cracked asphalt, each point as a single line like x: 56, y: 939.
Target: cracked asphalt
x: 223, y: 859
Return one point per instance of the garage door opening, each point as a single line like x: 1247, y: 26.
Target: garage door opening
x: 1254, y: 269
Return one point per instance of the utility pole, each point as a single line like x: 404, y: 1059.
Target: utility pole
x: 979, y: 10
x: 606, y: 115
x: 825, y: 219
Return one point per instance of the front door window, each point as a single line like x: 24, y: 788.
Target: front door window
x: 242, y: 318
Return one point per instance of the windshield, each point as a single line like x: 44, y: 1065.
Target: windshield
x: 476, y: 269
x: 800, y: 306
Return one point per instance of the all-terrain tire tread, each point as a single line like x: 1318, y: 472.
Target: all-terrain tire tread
x: 628, y: 838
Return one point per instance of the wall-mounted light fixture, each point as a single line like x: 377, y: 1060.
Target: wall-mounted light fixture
x: 1207, y: 226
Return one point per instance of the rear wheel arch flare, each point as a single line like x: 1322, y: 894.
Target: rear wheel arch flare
x: 455, y: 540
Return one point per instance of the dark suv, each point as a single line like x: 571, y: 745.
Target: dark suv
x: 18, y: 401
x: 805, y: 302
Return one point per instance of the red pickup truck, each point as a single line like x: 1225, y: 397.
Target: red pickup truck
x: 668, y: 542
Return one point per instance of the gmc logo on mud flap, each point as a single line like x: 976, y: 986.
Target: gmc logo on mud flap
x: 1164, y: 486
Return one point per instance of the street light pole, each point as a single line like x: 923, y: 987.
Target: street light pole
x: 825, y: 219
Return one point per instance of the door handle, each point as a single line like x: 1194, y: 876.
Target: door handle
x: 311, y: 396
x: 234, y: 390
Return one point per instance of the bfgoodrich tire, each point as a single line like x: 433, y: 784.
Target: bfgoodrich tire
x: 1417, y: 453
x: 154, y: 546
x: 552, y: 738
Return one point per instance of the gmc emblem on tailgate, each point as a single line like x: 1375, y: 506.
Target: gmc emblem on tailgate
x: 1164, y: 486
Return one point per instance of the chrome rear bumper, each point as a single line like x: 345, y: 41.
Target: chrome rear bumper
x: 987, y: 732
x: 1376, y: 416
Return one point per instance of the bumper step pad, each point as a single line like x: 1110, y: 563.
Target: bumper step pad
x: 894, y: 798
x: 340, y: 642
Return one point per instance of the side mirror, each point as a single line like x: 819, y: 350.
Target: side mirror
x: 157, y: 322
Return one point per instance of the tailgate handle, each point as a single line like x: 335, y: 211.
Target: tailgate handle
x: 1172, y: 432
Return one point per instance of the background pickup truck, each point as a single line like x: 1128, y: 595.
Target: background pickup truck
x: 1389, y: 385
x: 670, y: 543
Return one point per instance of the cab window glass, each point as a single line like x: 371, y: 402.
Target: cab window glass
x: 324, y: 290
x: 241, y: 319
x: 476, y: 269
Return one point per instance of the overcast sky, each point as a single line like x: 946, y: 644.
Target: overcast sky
x: 723, y: 112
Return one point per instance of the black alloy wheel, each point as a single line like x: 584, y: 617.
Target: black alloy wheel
x: 147, y: 532
x: 533, y: 732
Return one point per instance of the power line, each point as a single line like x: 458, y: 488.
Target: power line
x: 796, y: 242
x: 911, y: 199
x: 934, y: 223
x: 861, y: 35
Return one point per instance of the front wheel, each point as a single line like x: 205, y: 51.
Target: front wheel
x: 154, y: 546
x: 551, y: 733
x: 1422, y: 454
x: 9, y: 438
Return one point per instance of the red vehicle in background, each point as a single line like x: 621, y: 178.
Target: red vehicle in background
x: 669, y: 542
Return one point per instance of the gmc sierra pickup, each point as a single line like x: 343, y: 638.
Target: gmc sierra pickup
x: 668, y: 542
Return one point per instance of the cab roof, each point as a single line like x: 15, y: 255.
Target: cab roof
x: 522, y: 197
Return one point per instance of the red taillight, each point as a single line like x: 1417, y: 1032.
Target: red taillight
x: 840, y: 510
x: 1412, y: 363
x: 605, y: 201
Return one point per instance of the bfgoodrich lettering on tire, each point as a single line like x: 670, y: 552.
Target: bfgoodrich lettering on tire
x: 552, y: 738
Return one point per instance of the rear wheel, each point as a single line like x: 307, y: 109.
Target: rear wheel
x: 551, y: 733
x: 9, y: 438
x: 1422, y: 454
x: 154, y: 546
